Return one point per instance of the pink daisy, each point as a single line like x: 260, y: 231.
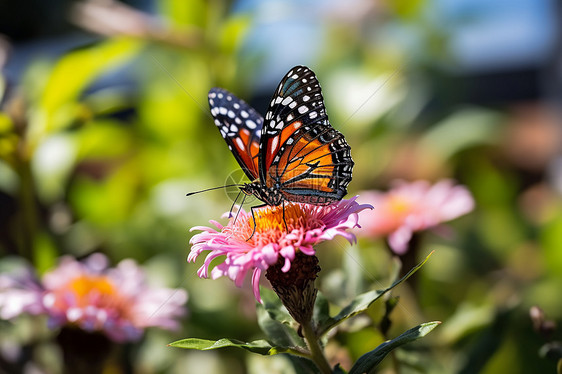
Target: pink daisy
x: 90, y: 295
x: 411, y: 207
x: 307, y: 226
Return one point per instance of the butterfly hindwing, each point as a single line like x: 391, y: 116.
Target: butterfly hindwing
x: 300, y: 152
x: 240, y: 125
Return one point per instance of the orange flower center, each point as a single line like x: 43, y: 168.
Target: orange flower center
x: 399, y: 206
x: 84, y: 287
x: 97, y: 291
x: 270, y: 222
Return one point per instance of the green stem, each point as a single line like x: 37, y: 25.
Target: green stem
x: 316, y: 352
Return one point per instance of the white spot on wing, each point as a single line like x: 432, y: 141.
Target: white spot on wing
x: 231, y: 114
x: 251, y: 124
x: 274, y: 143
x: 223, y: 110
x: 240, y: 144
x: 303, y: 109
x: 244, y: 114
x: 305, y: 98
x: 287, y: 100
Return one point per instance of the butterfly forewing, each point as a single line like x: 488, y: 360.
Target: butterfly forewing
x: 301, y: 152
x: 240, y: 125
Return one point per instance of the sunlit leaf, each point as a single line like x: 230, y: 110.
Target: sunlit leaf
x: 371, y: 359
x: 258, y: 346
x: 363, y: 301
x: 72, y: 74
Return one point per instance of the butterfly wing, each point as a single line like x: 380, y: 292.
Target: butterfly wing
x: 240, y: 126
x: 301, y: 153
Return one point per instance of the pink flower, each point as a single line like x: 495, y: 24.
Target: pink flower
x: 116, y: 301
x: 411, y: 207
x: 307, y: 226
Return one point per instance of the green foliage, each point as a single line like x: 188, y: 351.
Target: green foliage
x: 362, y: 302
x: 373, y: 358
x: 99, y: 146
x: 58, y: 105
x: 276, y: 323
x: 258, y: 346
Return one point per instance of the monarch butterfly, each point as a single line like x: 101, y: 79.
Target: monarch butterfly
x: 294, y: 154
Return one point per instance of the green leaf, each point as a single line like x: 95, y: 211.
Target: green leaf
x: 274, y: 307
x: 321, y: 312
x: 362, y: 302
x: 371, y: 359
x: 72, y: 74
x: 261, y: 347
x: 273, y: 321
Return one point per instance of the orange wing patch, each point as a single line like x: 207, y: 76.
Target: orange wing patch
x: 248, y: 151
x: 310, y: 165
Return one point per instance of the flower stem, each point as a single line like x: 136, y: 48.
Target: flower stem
x: 316, y: 352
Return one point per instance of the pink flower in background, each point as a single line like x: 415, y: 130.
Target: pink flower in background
x: 307, y: 226
x: 90, y: 295
x: 411, y: 207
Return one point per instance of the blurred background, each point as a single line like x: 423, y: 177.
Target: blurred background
x: 105, y: 126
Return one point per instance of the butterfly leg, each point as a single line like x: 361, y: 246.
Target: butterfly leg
x: 285, y: 222
x: 233, y: 203
x: 239, y: 209
x: 254, y: 218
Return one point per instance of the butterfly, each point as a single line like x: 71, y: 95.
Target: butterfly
x: 293, y: 154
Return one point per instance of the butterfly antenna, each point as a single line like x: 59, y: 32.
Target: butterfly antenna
x: 214, y: 188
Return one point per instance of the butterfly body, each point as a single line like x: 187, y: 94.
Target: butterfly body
x: 293, y: 154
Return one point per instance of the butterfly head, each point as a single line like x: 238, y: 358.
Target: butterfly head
x: 270, y: 196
